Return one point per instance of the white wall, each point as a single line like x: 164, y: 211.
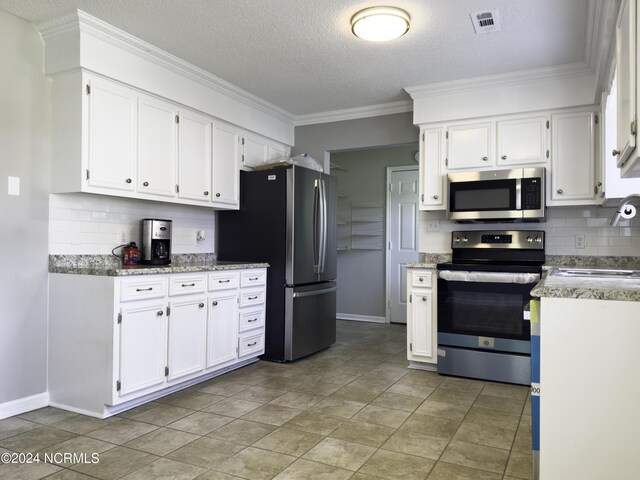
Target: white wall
x: 82, y: 223
x: 561, y: 227
x: 25, y: 103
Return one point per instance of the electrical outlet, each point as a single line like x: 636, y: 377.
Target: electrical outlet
x: 123, y: 237
x: 200, y: 235
x: 433, y: 226
x: 580, y: 240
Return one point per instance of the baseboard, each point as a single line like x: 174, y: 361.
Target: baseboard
x: 23, y: 405
x: 430, y: 367
x: 360, y: 318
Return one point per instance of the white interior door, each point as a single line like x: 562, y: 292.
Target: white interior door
x: 402, y: 234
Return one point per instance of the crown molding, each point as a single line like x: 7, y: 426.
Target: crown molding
x: 390, y: 108
x: 82, y: 22
x: 600, y: 39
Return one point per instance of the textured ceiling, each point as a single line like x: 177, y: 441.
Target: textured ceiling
x: 301, y: 56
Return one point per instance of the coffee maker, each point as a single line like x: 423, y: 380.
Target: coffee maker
x: 156, y: 241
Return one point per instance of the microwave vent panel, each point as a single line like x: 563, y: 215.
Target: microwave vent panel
x: 485, y: 22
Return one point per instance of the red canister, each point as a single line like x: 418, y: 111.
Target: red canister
x: 130, y: 255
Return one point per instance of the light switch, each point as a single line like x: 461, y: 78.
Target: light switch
x: 13, y: 186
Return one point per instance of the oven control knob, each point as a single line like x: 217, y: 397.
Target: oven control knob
x: 457, y: 239
x: 465, y: 239
x: 529, y: 239
x: 538, y: 239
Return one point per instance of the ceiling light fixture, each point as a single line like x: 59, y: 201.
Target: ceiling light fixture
x: 379, y: 24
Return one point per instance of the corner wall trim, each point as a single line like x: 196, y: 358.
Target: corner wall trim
x: 23, y: 405
x: 360, y: 318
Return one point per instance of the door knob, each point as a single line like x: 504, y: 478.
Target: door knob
x: 145, y: 184
x: 206, y: 192
x: 214, y: 303
x: 435, y: 197
x: 128, y: 180
x: 504, y: 157
x: 615, y: 152
x: 217, y: 194
x: 560, y: 191
x: 484, y: 159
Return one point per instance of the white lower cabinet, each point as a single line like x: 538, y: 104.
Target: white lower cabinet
x: 117, y: 342
x: 422, y: 336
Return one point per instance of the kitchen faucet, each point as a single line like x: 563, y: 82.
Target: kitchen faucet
x: 624, y: 208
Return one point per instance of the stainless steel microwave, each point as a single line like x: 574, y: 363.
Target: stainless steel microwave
x: 516, y: 195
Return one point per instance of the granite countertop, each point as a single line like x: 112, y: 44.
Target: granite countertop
x: 105, y: 265
x: 430, y: 260
x: 555, y: 286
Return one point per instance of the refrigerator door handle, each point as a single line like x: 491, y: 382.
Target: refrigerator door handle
x: 324, y: 226
x: 316, y: 225
x: 322, y: 232
x: 314, y: 292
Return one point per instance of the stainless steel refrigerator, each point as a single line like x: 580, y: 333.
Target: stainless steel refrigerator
x: 287, y: 218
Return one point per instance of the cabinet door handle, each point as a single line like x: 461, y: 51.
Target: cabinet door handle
x: 435, y: 197
x: 217, y: 195
x: 252, y: 298
x: 252, y: 320
x: 560, y: 191
x: 201, y: 305
x: 160, y: 313
x: 615, y: 152
x: 424, y: 299
x: 206, y: 192
x: 128, y: 180
x: 224, y: 281
x: 188, y: 284
x: 214, y: 303
x: 144, y: 289
x: 504, y: 157
x: 252, y: 344
x: 145, y: 184
x: 484, y: 159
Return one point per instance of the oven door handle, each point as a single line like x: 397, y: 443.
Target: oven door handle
x: 488, y: 277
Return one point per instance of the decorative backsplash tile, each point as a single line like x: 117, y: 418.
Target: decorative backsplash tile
x: 81, y: 223
x: 561, y: 228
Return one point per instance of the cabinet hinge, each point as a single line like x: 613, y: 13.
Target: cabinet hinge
x: 166, y: 371
x: 118, y: 386
x: 547, y: 124
x: 177, y: 188
x: 634, y: 127
x: 410, y: 298
x: 88, y: 89
x: 177, y: 118
x: 422, y: 198
x: 423, y: 136
x: 391, y: 187
x: 242, y: 140
x: 390, y: 245
x: 595, y: 119
x: 87, y: 174
x: 411, y: 347
x: 168, y: 311
x: 243, y: 156
x: 547, y: 153
x: 446, y: 135
x: 119, y: 318
x: 446, y: 162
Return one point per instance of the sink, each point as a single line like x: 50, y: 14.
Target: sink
x: 595, y: 273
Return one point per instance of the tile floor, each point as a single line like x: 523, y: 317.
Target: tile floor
x: 353, y: 411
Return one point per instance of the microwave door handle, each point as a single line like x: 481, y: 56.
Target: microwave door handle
x: 518, y: 194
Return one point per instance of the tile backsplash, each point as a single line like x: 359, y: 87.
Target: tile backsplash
x: 561, y: 227
x: 81, y: 223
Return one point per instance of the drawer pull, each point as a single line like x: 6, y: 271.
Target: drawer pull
x: 201, y: 305
x: 214, y: 303
x: 188, y: 284
x: 145, y: 184
x: 253, y: 279
x: 144, y: 289
x: 252, y: 320
x: 253, y: 298
x: 252, y: 344
x: 420, y: 279
x: 224, y: 281
x: 424, y: 299
x: 160, y: 313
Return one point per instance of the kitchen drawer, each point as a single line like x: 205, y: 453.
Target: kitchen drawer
x: 251, y: 318
x: 250, y: 278
x: 253, y: 296
x: 421, y: 279
x: 251, y: 344
x: 224, y: 280
x: 142, y: 289
x: 184, y: 285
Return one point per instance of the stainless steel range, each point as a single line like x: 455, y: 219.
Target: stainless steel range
x: 482, y: 293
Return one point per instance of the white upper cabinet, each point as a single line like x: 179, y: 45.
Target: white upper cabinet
x: 111, y: 135
x: 277, y: 152
x: 226, y: 165
x: 194, y: 156
x: 157, y: 151
x: 470, y: 146
x: 573, y: 159
x: 432, y: 184
x: 522, y: 141
x: 255, y: 151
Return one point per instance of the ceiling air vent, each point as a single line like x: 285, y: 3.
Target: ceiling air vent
x: 485, y: 22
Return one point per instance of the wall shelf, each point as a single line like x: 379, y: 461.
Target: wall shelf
x: 367, y: 226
